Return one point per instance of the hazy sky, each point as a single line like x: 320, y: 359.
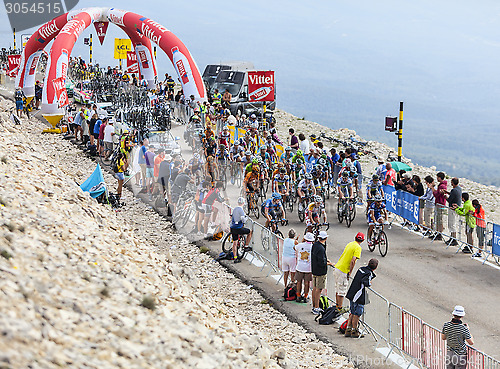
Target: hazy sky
x: 349, y: 63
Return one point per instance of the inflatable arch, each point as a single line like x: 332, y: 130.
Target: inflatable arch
x: 68, y: 27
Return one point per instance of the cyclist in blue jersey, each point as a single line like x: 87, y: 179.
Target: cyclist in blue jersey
x: 376, y: 214
x: 272, y: 207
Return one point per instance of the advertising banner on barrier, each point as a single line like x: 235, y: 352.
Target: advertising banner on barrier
x: 61, y: 92
x: 13, y: 64
x: 261, y: 86
x: 402, y: 203
x: 495, y: 244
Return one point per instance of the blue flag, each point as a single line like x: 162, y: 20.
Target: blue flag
x: 95, y: 183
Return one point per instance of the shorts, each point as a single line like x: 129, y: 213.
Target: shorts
x: 341, y: 282
x: 356, y: 309
x: 301, y: 276
x: 288, y: 264
x: 108, y: 146
x: 319, y: 281
x: 455, y: 361
x: 237, y: 231
x: 19, y: 105
x: 120, y: 176
x: 150, y: 172
x: 428, y: 212
x: 372, y: 222
x: 96, y: 135
x: 452, y: 221
x: 208, y: 209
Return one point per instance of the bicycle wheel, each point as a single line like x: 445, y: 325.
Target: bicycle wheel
x: 187, y: 216
x: 374, y: 240
x: 327, y: 190
x: 227, y: 243
x: 352, y: 208
x: 348, y: 219
x: 340, y: 215
x: 241, y: 249
x: 301, y: 213
x: 290, y: 202
x: 278, y: 233
x: 383, y: 244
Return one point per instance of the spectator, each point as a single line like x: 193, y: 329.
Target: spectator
x: 319, y: 265
x: 238, y: 219
x: 390, y: 175
x: 456, y: 334
x: 470, y: 222
x: 357, y: 296
x: 178, y: 186
x: 289, y: 256
x: 19, y: 96
x: 480, y: 226
x: 440, y: 202
x: 428, y: 199
x: 294, y: 141
x: 304, y: 144
x: 150, y: 164
x: 158, y: 159
x: 344, y: 267
x: 303, y: 269
x: 38, y: 94
x: 226, y: 99
x: 120, y: 175
x: 102, y: 127
x: 208, y: 202
x: 109, y: 132
x: 141, y: 160
x: 381, y: 169
x: 95, y: 133
x: 454, y: 198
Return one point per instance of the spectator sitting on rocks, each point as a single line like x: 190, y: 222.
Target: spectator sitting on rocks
x: 467, y: 210
x: 454, y: 198
x: 357, y: 296
x: 480, y: 225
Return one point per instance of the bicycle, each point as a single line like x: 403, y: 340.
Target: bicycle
x: 241, y: 248
x: 252, y: 207
x: 379, y: 238
x: 266, y: 232
x: 346, y: 209
x: 316, y: 228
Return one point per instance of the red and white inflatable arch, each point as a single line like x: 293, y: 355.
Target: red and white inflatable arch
x: 68, y: 27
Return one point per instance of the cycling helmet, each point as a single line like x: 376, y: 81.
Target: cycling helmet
x: 248, y: 152
x: 323, y: 156
x: 222, y: 146
x: 375, y: 177
x: 299, y: 152
x: 255, y: 161
x: 255, y: 168
x: 360, y: 237
x: 318, y: 198
x: 347, y: 161
x: 282, y: 171
x: 253, y: 116
x: 276, y: 196
x: 308, y: 176
x: 378, y: 198
x: 226, y: 128
x: 263, y: 148
x: 345, y: 174
x: 125, y: 131
x: 243, y: 116
x: 196, y: 110
x: 288, y: 148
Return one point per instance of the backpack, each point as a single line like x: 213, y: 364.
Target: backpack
x: 290, y: 293
x: 323, y: 303
x: 343, y: 327
x: 328, y: 316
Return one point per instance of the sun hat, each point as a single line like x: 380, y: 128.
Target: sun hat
x: 459, y: 311
x: 323, y: 234
x: 309, y: 237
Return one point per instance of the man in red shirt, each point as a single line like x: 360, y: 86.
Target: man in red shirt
x: 440, y: 200
x: 159, y: 158
x: 390, y: 175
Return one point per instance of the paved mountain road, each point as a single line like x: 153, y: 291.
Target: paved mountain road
x: 422, y: 276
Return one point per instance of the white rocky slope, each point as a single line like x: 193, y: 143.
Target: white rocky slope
x: 488, y: 196
x: 75, y: 273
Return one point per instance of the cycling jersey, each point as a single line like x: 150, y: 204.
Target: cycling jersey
x: 372, y: 188
x: 269, y: 205
x: 304, y: 186
x: 223, y: 155
x: 377, y: 212
x: 344, y: 185
x: 224, y: 138
x: 284, y: 158
x: 251, y: 177
x: 281, y: 181
x: 312, y: 208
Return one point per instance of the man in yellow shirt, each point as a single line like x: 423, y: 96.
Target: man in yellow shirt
x: 344, y: 267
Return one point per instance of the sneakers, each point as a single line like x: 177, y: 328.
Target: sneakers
x: 467, y: 250
x: 299, y: 298
x: 451, y: 242
x: 348, y: 332
x: 355, y: 333
x: 316, y: 311
x: 303, y: 300
x: 343, y: 310
x: 477, y: 255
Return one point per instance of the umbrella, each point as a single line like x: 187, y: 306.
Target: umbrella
x: 397, y: 166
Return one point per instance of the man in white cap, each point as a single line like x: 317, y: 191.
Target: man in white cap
x: 303, y: 269
x: 238, y: 219
x: 319, y: 269
x: 456, y: 334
